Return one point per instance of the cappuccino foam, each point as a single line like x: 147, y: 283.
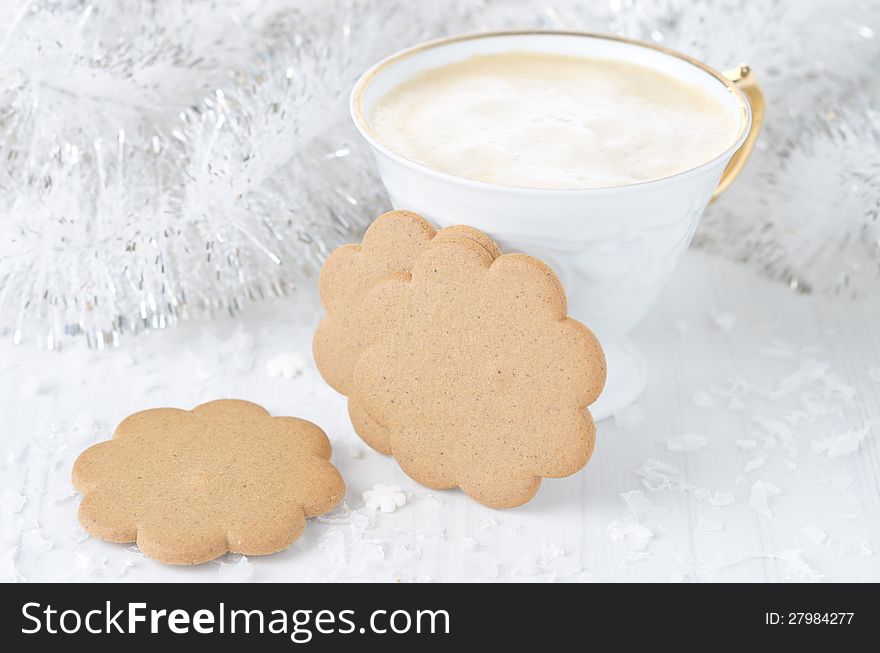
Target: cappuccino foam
x: 552, y: 121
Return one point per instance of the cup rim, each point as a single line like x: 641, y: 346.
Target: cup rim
x: 359, y: 90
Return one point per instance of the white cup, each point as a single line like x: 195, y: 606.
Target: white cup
x: 614, y: 249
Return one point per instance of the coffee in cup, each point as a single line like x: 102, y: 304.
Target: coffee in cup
x: 547, y: 120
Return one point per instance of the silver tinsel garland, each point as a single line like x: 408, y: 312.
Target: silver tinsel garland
x: 164, y: 160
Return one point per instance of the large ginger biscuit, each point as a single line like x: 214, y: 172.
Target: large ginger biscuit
x: 477, y: 375
x: 374, y: 434
x: 188, y: 486
x: 390, y: 246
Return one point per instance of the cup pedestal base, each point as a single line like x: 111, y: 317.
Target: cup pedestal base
x: 627, y: 376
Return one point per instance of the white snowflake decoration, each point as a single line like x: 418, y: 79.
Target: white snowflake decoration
x: 386, y: 498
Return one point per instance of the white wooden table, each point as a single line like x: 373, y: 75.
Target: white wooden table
x: 784, y: 484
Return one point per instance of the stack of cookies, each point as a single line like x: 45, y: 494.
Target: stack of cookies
x: 458, y: 360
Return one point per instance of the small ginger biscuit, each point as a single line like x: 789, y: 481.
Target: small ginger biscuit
x: 476, y: 374
x: 188, y: 486
x: 390, y: 246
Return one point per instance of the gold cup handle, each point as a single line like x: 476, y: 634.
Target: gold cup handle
x: 744, y: 78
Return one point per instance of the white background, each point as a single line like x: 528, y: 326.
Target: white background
x: 733, y: 357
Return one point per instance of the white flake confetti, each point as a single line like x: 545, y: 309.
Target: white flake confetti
x: 64, y: 494
x: 469, y: 544
x: 238, y: 569
x: 815, y: 533
x: 840, y: 444
x: 44, y: 543
x: 287, y: 365
x: 760, y: 493
x: 755, y: 463
x: 405, y: 552
x: 774, y: 429
x: 85, y: 565
x: 778, y: 349
x: 857, y: 546
x: 343, y: 514
x: 631, y: 536
x: 365, y: 554
x: 697, y: 569
x: 8, y: 570
x: 12, y: 502
x: 26, y: 524
x: 852, y: 508
x: 10, y: 458
x: 550, y: 551
x: 121, y: 569
x: 431, y: 497
x: 640, y: 505
x: 797, y: 417
x: 657, y: 475
x: 490, y: 523
x: 720, y: 499
x: 436, y: 533
x: 333, y: 542
x: 794, y: 567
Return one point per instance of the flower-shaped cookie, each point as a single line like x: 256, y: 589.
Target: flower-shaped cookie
x: 390, y: 246
x: 188, y: 486
x: 476, y: 373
